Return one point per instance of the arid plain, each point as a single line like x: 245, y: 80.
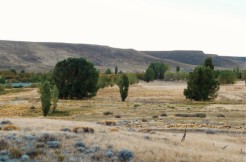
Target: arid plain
x: 151, y: 123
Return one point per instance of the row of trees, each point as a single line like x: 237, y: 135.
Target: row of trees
x: 75, y: 78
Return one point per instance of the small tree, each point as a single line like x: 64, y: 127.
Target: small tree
x: 149, y: 75
x: 75, y: 78
x: 108, y: 71
x: 202, y: 84
x: 177, y: 69
x: 55, y: 97
x: 116, y: 69
x: 209, y: 63
x: 123, y: 85
x: 45, y: 97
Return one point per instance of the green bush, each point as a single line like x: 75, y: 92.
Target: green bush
x: 45, y: 97
x: 201, y: 84
x: 76, y: 78
x: 123, y: 85
x: 132, y: 78
x: 55, y: 97
x: 227, y: 77
x: 149, y: 75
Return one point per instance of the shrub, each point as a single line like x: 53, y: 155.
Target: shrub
x: 199, y: 115
x: 55, y: 97
x: 3, y: 145
x: 10, y: 127
x: 83, y: 130
x: 132, y: 78
x: 15, y: 153
x: 107, y: 113
x: 125, y: 155
x: 2, y: 89
x: 227, y: 77
x: 108, y: 71
x: 201, y: 84
x: 149, y: 75
x: 75, y: 78
x: 45, y: 97
x: 123, y: 85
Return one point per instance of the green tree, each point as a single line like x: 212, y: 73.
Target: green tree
x: 75, y: 78
x: 201, y: 84
x: 209, y: 63
x: 159, y: 69
x: 123, y: 85
x: 149, y: 75
x: 55, y: 97
x: 177, y: 69
x: 108, y: 71
x: 116, y: 69
x: 45, y: 97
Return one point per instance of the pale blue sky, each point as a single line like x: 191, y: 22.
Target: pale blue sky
x: 214, y: 26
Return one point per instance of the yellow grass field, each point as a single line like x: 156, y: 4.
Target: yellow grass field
x: 142, y: 127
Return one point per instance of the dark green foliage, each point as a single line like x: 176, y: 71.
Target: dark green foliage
x: 22, y: 71
x: 201, y: 84
x: 116, y: 69
x: 75, y: 78
x: 55, y: 97
x: 227, y: 77
x: 2, y: 80
x: 208, y: 63
x: 13, y: 71
x: 159, y: 69
x: 177, y: 69
x: 123, y: 85
x: 45, y: 97
x: 108, y: 71
x: 149, y: 75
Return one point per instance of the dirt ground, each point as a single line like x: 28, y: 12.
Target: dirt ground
x: 150, y: 110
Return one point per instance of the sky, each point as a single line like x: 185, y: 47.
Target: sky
x: 213, y: 26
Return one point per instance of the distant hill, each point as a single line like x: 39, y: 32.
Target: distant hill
x: 198, y: 57
x: 36, y: 56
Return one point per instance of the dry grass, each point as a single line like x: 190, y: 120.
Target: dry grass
x: 162, y: 146
x: 145, y: 100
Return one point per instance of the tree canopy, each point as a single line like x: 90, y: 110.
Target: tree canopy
x: 209, y: 63
x: 202, y: 84
x: 75, y: 78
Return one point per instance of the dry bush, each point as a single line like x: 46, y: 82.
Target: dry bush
x: 114, y: 129
x: 110, y: 123
x: 163, y: 114
x: 145, y: 130
x: 15, y: 153
x: 155, y: 116
x: 34, y: 153
x: 117, y: 116
x: 10, y: 128
x: 144, y: 120
x: 108, y: 113
x: 3, y: 145
x: 199, y: 115
x: 83, y: 130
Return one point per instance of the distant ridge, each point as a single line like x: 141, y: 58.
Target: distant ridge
x: 40, y: 56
